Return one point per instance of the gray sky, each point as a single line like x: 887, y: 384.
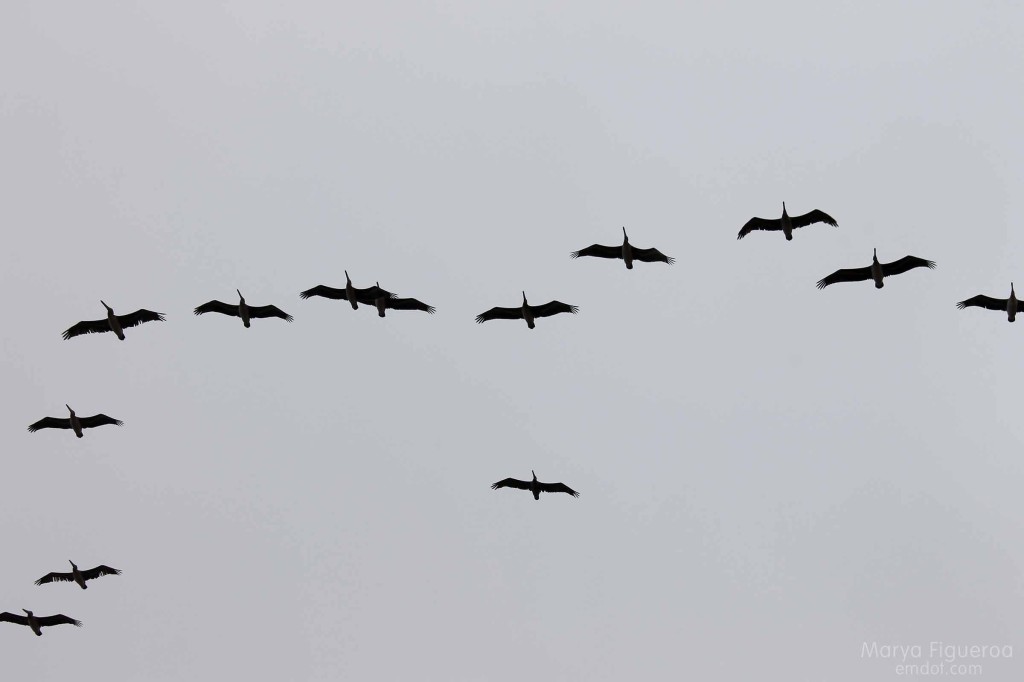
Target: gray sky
x: 770, y: 475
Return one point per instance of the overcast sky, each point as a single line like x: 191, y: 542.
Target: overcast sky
x: 770, y: 475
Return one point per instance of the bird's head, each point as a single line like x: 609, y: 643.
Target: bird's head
x: 348, y: 280
x: 109, y: 309
x: 874, y: 254
x: 1011, y: 287
x: 783, y: 207
x: 625, y: 236
x: 534, y: 474
x: 27, y: 612
x: 240, y: 297
x: 73, y: 565
x: 69, y: 408
x: 524, y: 297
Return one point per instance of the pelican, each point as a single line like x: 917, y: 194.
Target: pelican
x: 242, y: 310
x: 876, y: 271
x: 626, y: 252
x: 1008, y: 305
x: 113, y: 323
x: 73, y: 422
x: 385, y: 300
x: 38, y: 622
x: 787, y: 223
x: 527, y: 312
x: 353, y: 295
x: 78, y: 576
x: 535, y: 486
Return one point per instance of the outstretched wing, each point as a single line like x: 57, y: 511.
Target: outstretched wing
x: 759, y: 224
x: 269, y: 311
x: 99, y: 571
x: 558, y: 488
x: 983, y: 302
x: 410, y: 304
x: 56, y: 578
x: 50, y: 423
x: 652, y: 256
x: 90, y: 327
x: 812, y: 217
x: 59, y: 619
x: 217, y: 307
x: 599, y: 251
x: 139, y: 316
x: 8, y: 617
x: 500, y: 314
x: 325, y: 292
x: 99, y: 420
x: 511, y: 483
x: 553, y: 308
x: 848, y: 275
x: 906, y: 263
x: 370, y: 294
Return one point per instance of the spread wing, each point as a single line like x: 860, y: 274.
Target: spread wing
x: 652, y: 256
x: 59, y: 619
x: 99, y: 420
x: 511, y: 483
x: 268, y: 311
x: 56, y: 578
x: 371, y: 294
x: 50, y: 423
x: 558, y: 488
x: 553, y: 308
x: 410, y: 304
x: 7, y: 617
x: 599, y: 251
x: 325, y: 292
x: 99, y: 571
x: 812, y: 217
x: 138, y: 317
x: 906, y: 263
x: 759, y: 224
x: 848, y: 275
x: 500, y: 314
x: 217, y: 307
x: 983, y: 302
x: 90, y: 327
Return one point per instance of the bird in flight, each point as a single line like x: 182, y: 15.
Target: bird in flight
x: 626, y: 252
x: 535, y: 486
x: 242, y: 310
x: 352, y: 294
x: 74, y: 422
x: 77, y: 576
x: 787, y: 223
x: 876, y: 271
x: 38, y: 622
x: 527, y: 312
x: 1008, y: 305
x: 386, y: 301
x: 113, y: 323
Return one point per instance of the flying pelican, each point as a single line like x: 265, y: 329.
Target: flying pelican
x: 527, y: 312
x: 113, y: 323
x: 626, y: 252
x: 787, y: 223
x: 74, y: 422
x: 385, y: 300
x: 242, y: 310
x: 353, y: 295
x: 78, y: 576
x: 38, y: 622
x: 876, y: 270
x: 535, y: 486
x: 1008, y: 305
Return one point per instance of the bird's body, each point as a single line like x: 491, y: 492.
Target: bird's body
x: 527, y: 312
x: 350, y: 293
x: 627, y: 252
x: 36, y: 623
x: 73, y: 422
x: 77, y: 576
x: 787, y: 223
x: 876, y: 271
x: 242, y: 310
x: 385, y: 300
x: 535, y: 486
x: 113, y: 323
x: 1009, y: 305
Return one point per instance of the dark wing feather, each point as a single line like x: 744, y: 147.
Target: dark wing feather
x: 759, y: 224
x: 370, y: 294
x: 847, y: 275
x: 981, y: 301
x: 90, y: 327
x: 217, y: 307
x: 99, y: 420
x: 50, y: 423
x: 325, y: 292
x: 8, y: 617
x: 599, y: 251
x: 553, y: 308
x: 652, y: 256
x: 59, y: 619
x: 500, y: 314
x: 268, y: 311
x: 56, y: 578
x: 812, y: 217
x: 511, y: 483
x: 99, y: 571
x: 139, y: 316
x: 906, y: 263
x: 410, y: 304
x: 558, y: 488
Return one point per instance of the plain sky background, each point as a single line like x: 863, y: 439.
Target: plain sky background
x: 770, y: 475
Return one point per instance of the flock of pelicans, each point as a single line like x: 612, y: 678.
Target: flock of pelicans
x: 384, y: 300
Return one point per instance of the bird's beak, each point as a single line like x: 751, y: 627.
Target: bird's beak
x: 69, y: 407
x: 239, y: 294
x: 105, y: 305
x: 624, y: 232
x: 347, y: 277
